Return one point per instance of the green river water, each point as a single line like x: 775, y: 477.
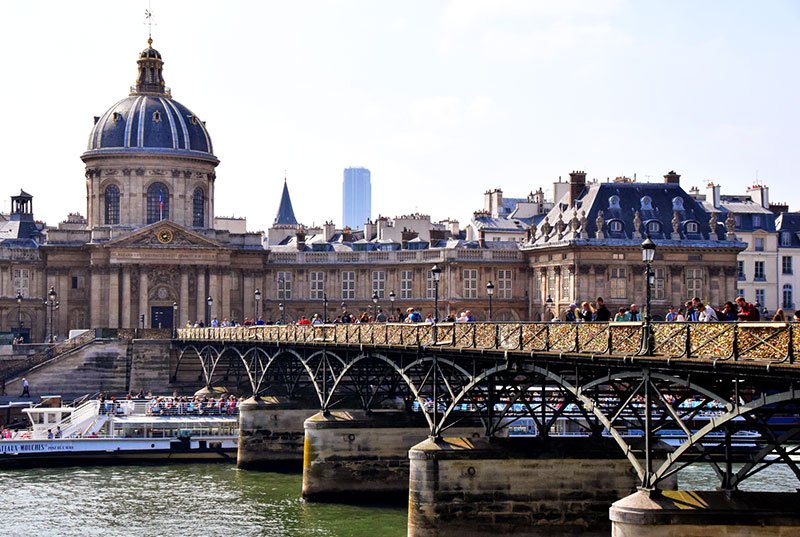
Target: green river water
x: 211, y: 500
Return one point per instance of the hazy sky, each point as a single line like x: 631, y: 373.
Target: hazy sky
x: 441, y: 100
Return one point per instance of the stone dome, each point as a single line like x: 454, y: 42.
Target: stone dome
x: 149, y: 120
x: 150, y: 123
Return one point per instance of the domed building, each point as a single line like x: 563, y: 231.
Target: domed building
x: 150, y: 158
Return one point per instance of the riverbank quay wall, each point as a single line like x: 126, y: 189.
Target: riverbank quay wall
x: 112, y: 365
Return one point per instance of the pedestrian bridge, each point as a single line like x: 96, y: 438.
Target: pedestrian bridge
x: 715, y: 389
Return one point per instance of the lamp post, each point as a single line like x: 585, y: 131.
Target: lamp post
x: 283, y: 314
x: 51, y: 304
x: 437, y: 273
x: 490, y: 292
x: 648, y: 254
x: 324, y: 308
x: 549, y: 303
x: 257, y: 298
x: 392, y: 298
x: 209, y: 303
x: 375, y: 303
x: 19, y: 312
x: 174, y: 319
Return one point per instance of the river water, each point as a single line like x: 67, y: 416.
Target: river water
x: 214, y: 500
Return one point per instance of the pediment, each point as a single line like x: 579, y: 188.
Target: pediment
x: 164, y: 235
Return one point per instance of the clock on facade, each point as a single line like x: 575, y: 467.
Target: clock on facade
x: 164, y: 236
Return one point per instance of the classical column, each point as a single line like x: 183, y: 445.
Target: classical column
x: 213, y: 292
x: 246, y: 292
x: 63, y: 299
x: 143, y: 296
x: 126, y: 298
x: 183, y: 300
x: 201, y: 295
x: 225, y: 277
x: 96, y: 297
x: 113, y: 298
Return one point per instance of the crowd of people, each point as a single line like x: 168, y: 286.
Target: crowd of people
x: 193, y: 406
x: 693, y: 310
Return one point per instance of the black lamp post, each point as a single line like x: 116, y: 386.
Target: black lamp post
x: 648, y: 254
x: 257, y: 298
x: 174, y: 319
x: 19, y: 312
x: 283, y: 313
x: 437, y: 273
x: 209, y: 303
x: 549, y: 303
x: 51, y: 304
x: 392, y: 298
x: 490, y: 292
x: 375, y: 302
x: 324, y: 308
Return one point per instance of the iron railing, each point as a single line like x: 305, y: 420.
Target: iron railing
x: 766, y: 342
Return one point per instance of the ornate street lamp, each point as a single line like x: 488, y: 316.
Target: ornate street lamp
x: 648, y: 254
x: 51, y: 304
x: 392, y: 298
x: 209, y: 303
x: 283, y: 313
x: 437, y: 273
x: 375, y: 302
x: 257, y: 298
x: 490, y: 292
x: 324, y: 308
x: 549, y: 303
x: 19, y: 312
x: 174, y: 319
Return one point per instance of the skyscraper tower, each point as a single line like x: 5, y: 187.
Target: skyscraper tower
x: 356, y: 197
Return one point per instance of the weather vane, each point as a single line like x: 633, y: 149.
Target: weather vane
x: 148, y: 17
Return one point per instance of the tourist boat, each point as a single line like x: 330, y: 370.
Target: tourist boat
x: 96, y: 432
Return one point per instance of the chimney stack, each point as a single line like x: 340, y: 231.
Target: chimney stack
x: 328, y: 229
x: 760, y: 194
x: 712, y: 196
x: 370, y: 230
x: 672, y: 178
x: 577, y: 182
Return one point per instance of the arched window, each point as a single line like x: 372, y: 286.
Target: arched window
x: 654, y: 226
x: 615, y: 226
x: 157, y: 203
x: 692, y: 227
x: 788, y: 299
x: 112, y: 204
x: 198, y: 208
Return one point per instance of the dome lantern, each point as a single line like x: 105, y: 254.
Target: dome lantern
x: 151, y: 78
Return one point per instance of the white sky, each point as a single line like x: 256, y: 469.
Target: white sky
x: 440, y: 100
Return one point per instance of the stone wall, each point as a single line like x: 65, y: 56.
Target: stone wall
x: 523, y: 487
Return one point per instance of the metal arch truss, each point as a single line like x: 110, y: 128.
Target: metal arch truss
x: 662, y: 419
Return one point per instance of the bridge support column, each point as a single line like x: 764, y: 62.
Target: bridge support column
x: 682, y: 513
x: 516, y: 486
x: 271, y: 433
x: 352, y: 455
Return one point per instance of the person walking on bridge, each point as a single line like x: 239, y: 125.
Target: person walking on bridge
x: 26, y: 388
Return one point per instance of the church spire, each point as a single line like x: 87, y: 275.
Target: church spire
x: 285, y: 212
x: 151, y: 79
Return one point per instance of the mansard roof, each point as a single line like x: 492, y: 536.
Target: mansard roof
x: 657, y: 204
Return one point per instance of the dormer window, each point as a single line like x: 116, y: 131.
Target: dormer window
x: 677, y: 203
x: 615, y: 226
x: 756, y: 221
x: 786, y: 238
x: 156, y: 117
x: 116, y: 116
x: 613, y: 202
x: 646, y: 203
x: 654, y: 226
x: 691, y: 227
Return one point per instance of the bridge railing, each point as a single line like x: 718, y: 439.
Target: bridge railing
x: 771, y: 342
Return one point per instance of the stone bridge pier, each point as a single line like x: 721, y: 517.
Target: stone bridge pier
x: 353, y: 455
x: 466, y: 487
x: 271, y: 433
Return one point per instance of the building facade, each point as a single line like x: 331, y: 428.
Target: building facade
x: 356, y: 197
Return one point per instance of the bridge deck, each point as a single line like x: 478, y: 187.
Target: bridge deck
x: 753, y: 343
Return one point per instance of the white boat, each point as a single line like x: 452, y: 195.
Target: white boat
x: 97, y: 432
